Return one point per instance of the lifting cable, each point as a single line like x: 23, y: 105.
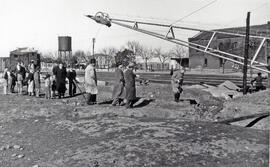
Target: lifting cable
x: 194, y: 12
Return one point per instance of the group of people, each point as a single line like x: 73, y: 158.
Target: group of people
x: 124, y: 90
x: 22, y: 76
x: 30, y: 77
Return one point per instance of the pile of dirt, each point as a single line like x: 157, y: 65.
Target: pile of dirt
x: 249, y: 104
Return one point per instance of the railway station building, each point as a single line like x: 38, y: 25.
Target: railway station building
x: 230, y: 44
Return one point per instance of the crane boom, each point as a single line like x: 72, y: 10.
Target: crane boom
x: 104, y: 18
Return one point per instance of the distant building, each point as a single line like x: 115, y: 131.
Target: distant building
x: 25, y: 55
x: 228, y: 43
x: 4, y: 63
x: 153, y: 64
x: 104, y: 61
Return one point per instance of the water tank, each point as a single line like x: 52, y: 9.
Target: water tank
x: 64, y: 43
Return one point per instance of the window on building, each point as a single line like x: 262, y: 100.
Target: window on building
x: 234, y: 45
x: 205, y: 62
x: 197, y: 48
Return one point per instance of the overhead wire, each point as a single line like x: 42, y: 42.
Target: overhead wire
x: 194, y: 12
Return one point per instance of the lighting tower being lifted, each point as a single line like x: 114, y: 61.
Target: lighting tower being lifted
x: 170, y: 36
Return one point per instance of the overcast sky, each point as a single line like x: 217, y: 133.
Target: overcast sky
x: 38, y: 23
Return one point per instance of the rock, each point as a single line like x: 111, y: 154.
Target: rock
x: 16, y: 147
x: 14, y: 155
x: 35, y: 165
x: 20, y: 156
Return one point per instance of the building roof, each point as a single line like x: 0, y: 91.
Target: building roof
x: 258, y: 30
x: 21, y: 51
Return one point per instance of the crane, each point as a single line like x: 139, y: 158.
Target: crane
x: 103, y: 18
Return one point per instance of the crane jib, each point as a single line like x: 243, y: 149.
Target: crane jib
x: 103, y: 18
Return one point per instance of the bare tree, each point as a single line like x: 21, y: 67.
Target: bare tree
x: 141, y: 51
x: 146, y: 55
x: 110, y: 53
x: 80, y: 56
x: 179, y: 51
x: 135, y: 47
x: 162, y: 56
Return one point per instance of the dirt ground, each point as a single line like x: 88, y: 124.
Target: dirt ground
x: 157, y: 132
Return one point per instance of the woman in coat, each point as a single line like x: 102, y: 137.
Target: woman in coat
x: 91, y: 83
x: 118, y: 88
x: 130, y: 95
x: 177, y: 82
x: 60, y: 73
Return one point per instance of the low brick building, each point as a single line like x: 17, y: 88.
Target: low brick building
x: 230, y: 44
x: 25, y: 55
x: 4, y: 63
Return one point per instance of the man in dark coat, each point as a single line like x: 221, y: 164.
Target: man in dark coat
x: 258, y: 82
x: 119, y: 83
x: 177, y: 82
x: 71, y: 75
x: 60, y: 76
x: 130, y: 95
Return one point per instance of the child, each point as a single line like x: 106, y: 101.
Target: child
x: 53, y: 86
x: 48, y: 86
x: 30, y: 79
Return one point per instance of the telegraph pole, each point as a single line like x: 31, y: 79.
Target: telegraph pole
x: 93, y: 41
x: 246, y: 54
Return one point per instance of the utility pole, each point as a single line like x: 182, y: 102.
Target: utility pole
x: 93, y: 41
x: 246, y: 54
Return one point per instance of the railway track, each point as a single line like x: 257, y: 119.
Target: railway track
x: 189, y: 79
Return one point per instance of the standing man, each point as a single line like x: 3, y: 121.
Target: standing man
x: 177, y: 82
x: 91, y: 83
x: 71, y: 75
x: 60, y: 73
x: 129, y: 76
x: 119, y: 83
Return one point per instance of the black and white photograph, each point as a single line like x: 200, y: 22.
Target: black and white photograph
x: 134, y: 83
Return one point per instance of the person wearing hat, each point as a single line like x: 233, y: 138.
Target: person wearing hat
x: 119, y: 85
x: 258, y: 82
x: 129, y: 76
x: 90, y: 80
x: 60, y: 73
x: 177, y: 82
x: 71, y: 76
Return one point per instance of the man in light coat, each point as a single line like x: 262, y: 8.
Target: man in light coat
x: 91, y: 83
x: 119, y: 85
x: 177, y: 82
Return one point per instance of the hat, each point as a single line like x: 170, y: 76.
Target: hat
x: 118, y: 64
x: 92, y: 61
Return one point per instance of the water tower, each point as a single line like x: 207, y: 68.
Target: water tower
x: 64, y: 48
